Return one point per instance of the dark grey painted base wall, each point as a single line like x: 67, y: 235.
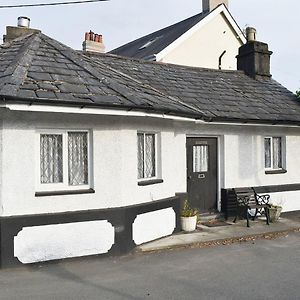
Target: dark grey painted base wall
x: 121, y: 219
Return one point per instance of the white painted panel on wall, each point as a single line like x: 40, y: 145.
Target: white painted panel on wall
x: 48, y: 242
x: 153, y: 225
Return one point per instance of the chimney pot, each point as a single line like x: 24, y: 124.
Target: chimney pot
x: 251, y: 34
x: 93, y: 43
x: 23, y: 22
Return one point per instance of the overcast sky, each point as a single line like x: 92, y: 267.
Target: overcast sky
x: 120, y: 21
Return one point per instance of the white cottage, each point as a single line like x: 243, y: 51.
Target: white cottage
x: 96, y: 150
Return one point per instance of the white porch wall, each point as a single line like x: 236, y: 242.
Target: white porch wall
x: 205, y: 46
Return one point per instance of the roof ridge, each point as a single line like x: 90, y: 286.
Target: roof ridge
x: 160, y: 63
x: 13, y: 76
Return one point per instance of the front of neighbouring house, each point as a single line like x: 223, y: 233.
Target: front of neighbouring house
x: 96, y: 150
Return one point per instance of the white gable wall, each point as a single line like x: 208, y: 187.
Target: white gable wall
x: 204, y: 47
x: 241, y: 160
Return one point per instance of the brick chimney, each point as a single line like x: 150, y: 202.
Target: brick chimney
x: 209, y: 5
x: 22, y: 29
x: 254, y: 56
x: 93, y: 43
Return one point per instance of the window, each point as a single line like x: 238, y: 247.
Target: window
x: 273, y: 153
x: 200, y: 158
x: 146, y: 155
x: 64, y: 160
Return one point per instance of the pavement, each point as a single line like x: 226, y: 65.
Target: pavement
x: 205, y: 236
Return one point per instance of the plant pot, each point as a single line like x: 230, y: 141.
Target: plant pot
x: 188, y: 223
x: 274, y: 213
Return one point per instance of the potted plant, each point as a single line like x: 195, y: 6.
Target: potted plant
x: 274, y: 212
x: 189, y: 217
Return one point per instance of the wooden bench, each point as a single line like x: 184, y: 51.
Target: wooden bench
x: 248, y: 200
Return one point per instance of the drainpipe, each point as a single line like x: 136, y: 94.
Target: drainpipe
x: 220, y: 59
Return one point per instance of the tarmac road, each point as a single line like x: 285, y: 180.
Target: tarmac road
x: 263, y: 269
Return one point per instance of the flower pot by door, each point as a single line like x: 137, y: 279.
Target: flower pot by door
x: 189, y: 223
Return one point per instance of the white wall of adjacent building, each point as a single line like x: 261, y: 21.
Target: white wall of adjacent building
x: 204, y: 46
x: 114, y: 160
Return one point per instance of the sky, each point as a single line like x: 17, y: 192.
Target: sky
x: 119, y: 21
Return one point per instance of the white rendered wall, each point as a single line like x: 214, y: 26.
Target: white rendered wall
x: 114, y: 162
x: 153, y: 225
x: 49, y: 242
x: 205, y: 46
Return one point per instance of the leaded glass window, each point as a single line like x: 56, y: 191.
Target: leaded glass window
x: 273, y: 153
x: 146, y: 155
x: 78, y: 158
x: 277, y: 153
x: 51, y: 157
x: 64, y: 159
x: 268, y: 153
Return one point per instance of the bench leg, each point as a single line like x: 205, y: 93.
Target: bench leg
x: 267, y: 215
x: 247, y: 214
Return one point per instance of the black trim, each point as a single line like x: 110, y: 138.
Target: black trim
x: 150, y: 181
x: 277, y: 188
x: 64, y: 192
x: 281, y: 171
x: 121, y: 218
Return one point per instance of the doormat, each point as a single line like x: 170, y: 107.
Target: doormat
x: 215, y: 223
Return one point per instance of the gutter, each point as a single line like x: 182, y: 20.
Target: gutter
x: 59, y: 106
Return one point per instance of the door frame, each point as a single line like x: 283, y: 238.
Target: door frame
x: 220, y: 162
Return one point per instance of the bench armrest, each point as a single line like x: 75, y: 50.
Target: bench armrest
x: 262, y: 199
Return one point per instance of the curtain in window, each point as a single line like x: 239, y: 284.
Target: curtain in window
x: 268, y: 163
x: 149, y: 155
x: 200, y: 158
x: 277, y: 159
x: 51, y: 161
x: 78, y: 158
x: 140, y: 155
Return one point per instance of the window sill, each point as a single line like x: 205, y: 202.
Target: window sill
x: 281, y: 171
x: 65, y: 192
x: 149, y: 182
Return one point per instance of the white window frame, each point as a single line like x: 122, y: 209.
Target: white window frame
x: 283, y: 153
x: 41, y: 187
x: 157, y: 155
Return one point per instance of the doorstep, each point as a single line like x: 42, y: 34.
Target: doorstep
x: 217, y: 235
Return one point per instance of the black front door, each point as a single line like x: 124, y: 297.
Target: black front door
x: 202, y: 173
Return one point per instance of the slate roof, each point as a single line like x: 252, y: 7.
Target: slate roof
x: 147, y: 46
x: 38, y: 69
